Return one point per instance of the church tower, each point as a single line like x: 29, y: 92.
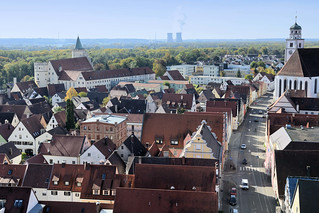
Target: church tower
x: 294, y: 41
x: 78, y: 50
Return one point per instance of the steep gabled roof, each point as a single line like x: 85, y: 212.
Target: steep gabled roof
x: 24, y: 86
x: 10, y: 150
x: 37, y: 176
x: 308, y: 195
x: 55, y: 88
x: 18, y: 109
x: 294, y: 163
x: 116, y: 160
x: 6, y: 130
x: 33, y: 125
x: 157, y: 201
x: 178, y: 176
x: 63, y: 145
x: 12, y: 172
x: 175, y: 75
x: 302, y: 63
x: 104, y: 74
x: 76, y: 64
x: 6, y: 116
x: 61, y: 118
x: 105, y: 146
x: 135, y: 146
x: 178, y: 100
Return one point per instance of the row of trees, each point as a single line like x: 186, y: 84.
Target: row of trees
x: 18, y: 63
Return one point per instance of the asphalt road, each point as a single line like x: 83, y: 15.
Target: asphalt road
x: 260, y: 196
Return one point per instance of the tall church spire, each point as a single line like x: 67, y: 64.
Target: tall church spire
x: 78, y: 45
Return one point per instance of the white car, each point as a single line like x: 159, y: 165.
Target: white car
x: 244, y: 184
x: 243, y: 146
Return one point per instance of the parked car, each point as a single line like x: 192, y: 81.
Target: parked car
x: 233, y: 191
x: 232, y: 200
x: 244, y: 184
x: 244, y: 161
x: 243, y: 146
x: 256, y: 120
x: 260, y: 112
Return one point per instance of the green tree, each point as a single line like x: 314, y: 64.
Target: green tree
x: 249, y: 77
x: 222, y: 73
x: 105, y: 101
x: 199, y: 89
x: 238, y: 75
x: 70, y: 120
x: 57, y: 109
x: 167, y: 84
x: 83, y: 94
x: 159, y: 67
x: 180, y: 110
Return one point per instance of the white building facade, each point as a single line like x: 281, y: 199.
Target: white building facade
x: 204, y: 80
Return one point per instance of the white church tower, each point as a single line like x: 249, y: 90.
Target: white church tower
x: 78, y: 50
x: 294, y: 41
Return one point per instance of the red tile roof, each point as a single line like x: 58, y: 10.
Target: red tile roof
x: 180, y: 177
x: 173, y: 101
x: 104, y: 74
x: 159, y: 201
x: 222, y: 104
x: 76, y: 64
x: 62, y: 145
x: 55, y: 88
x: 11, y: 172
x: 176, y: 75
x: 176, y: 126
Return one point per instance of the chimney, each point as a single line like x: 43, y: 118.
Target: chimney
x: 97, y: 206
x: 116, y: 108
x: 308, y: 171
x: 105, y: 140
x: 14, y: 81
x: 28, y: 115
x: 139, y: 159
x: 307, y: 125
x: 63, y: 165
x: 297, y: 107
x: 183, y: 160
x: 181, y: 97
x: 10, y: 151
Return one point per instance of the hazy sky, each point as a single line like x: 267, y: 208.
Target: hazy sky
x: 201, y: 19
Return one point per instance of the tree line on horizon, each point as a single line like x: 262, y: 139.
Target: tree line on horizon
x: 20, y: 63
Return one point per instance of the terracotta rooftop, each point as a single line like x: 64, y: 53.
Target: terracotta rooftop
x: 158, y: 201
x: 177, y: 126
x: 180, y: 177
x: 77, y: 64
x: 37, y: 176
x: 104, y: 74
x: 178, y: 100
x: 55, y: 88
x: 62, y: 145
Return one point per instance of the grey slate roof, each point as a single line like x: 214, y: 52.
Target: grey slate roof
x: 116, y: 160
x: 10, y: 150
x: 6, y: 116
x: 308, y: 195
x: 135, y: 146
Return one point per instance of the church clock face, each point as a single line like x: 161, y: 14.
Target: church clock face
x: 290, y: 52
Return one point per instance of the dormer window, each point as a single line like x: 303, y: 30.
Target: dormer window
x: 67, y: 183
x: 174, y: 142
x: 55, y: 182
x: 96, y: 192
x: 105, y: 192
x: 159, y: 140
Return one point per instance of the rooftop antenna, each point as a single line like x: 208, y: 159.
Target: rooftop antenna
x: 296, y: 17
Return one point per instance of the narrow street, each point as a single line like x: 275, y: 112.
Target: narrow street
x: 260, y: 196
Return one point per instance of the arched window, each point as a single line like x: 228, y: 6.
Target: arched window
x: 279, y: 88
x: 295, y: 84
x: 315, y: 89
x: 285, y: 85
x: 306, y: 87
x: 290, y: 84
x: 300, y: 87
